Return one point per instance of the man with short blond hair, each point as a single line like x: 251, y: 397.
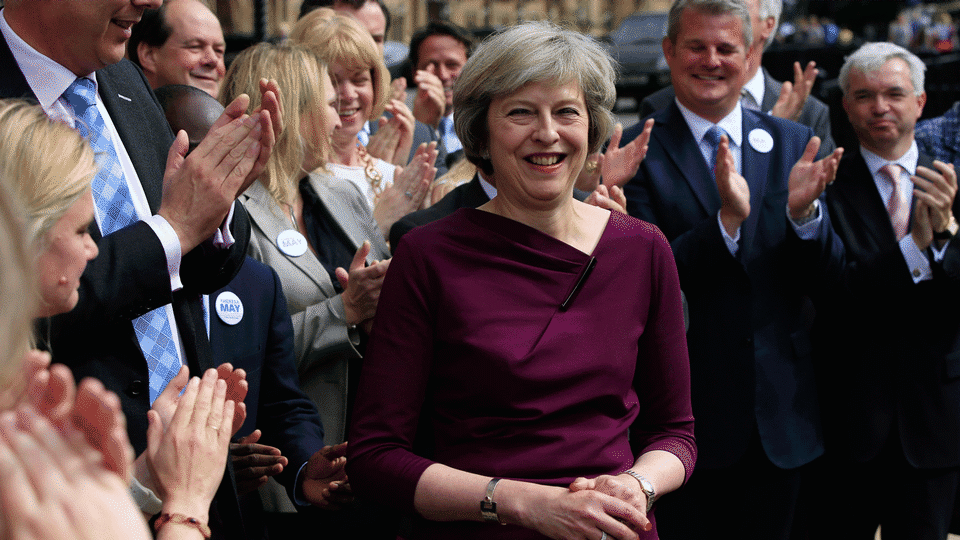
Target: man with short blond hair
x: 737, y: 194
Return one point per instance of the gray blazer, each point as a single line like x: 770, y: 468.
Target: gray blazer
x: 323, y: 345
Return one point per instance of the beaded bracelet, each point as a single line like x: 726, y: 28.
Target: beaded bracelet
x: 181, y: 519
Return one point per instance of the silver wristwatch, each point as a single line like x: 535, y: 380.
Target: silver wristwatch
x: 645, y: 486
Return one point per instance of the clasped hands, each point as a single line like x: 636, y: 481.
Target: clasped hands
x: 808, y: 179
x: 935, y: 190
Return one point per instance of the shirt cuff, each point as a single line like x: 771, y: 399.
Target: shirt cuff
x: 732, y: 246
x: 938, y: 253
x: 146, y: 499
x: 297, y: 500
x: 223, y: 238
x: 171, y: 247
x: 809, y: 227
x: 916, y: 260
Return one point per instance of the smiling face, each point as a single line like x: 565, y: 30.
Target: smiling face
x: 707, y: 63
x: 82, y: 35
x: 65, y: 250
x: 192, y: 55
x: 540, y: 143
x: 444, y: 57
x: 355, y: 94
x: 883, y: 108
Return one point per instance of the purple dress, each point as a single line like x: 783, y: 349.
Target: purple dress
x: 473, y: 364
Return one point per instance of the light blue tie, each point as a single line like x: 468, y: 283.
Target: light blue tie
x: 115, y: 205
x: 449, y: 136
x: 712, y: 136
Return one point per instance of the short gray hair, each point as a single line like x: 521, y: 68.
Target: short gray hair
x: 872, y: 57
x: 771, y: 8
x: 526, y: 53
x: 737, y: 8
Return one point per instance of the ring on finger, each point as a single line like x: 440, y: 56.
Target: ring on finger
x: 603, y: 535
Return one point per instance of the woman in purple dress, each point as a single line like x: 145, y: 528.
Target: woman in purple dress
x: 528, y: 365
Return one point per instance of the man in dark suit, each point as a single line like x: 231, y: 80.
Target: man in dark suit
x: 761, y: 92
x: 250, y: 327
x: 891, y: 330
x: 749, y: 242
x: 164, y: 228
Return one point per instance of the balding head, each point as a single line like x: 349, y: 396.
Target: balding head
x: 190, y: 109
x: 180, y: 43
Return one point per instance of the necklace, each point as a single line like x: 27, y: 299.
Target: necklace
x: 375, y: 177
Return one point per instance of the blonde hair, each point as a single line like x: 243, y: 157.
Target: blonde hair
x: 18, y: 287
x: 298, y: 72
x: 46, y: 161
x: 339, y: 39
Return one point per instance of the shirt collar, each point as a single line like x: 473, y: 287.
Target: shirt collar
x: 48, y: 79
x: 488, y: 188
x: 756, y: 87
x: 732, y: 123
x: 908, y: 160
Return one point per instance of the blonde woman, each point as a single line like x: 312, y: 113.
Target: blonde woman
x: 316, y: 232
x: 362, y: 85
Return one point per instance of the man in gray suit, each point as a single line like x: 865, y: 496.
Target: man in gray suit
x: 761, y: 92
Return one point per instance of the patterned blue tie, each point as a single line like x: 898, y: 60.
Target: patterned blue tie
x: 115, y: 205
x: 712, y: 136
x: 448, y: 135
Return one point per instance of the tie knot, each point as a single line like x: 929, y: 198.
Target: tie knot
x: 80, y: 95
x: 892, y: 172
x: 713, y: 136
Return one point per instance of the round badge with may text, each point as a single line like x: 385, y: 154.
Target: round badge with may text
x: 229, y: 308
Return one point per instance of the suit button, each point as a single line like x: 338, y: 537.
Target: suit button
x: 136, y: 388
x: 748, y: 342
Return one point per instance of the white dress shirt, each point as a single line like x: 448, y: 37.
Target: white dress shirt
x: 916, y: 260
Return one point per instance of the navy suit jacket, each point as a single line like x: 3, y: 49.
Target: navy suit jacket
x: 750, y: 359
x: 815, y: 113
x: 261, y: 343
x: 891, y: 347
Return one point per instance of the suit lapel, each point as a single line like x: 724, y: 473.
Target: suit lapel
x: 272, y: 220
x: 756, y: 170
x: 342, y: 217
x: 123, y: 112
x: 673, y: 133
x: 13, y: 83
x: 473, y: 194
x: 771, y: 91
x: 857, y: 187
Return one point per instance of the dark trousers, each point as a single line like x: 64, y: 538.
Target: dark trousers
x: 752, y: 499
x: 905, y: 502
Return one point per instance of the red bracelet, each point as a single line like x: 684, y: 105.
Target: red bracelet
x: 181, y: 519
